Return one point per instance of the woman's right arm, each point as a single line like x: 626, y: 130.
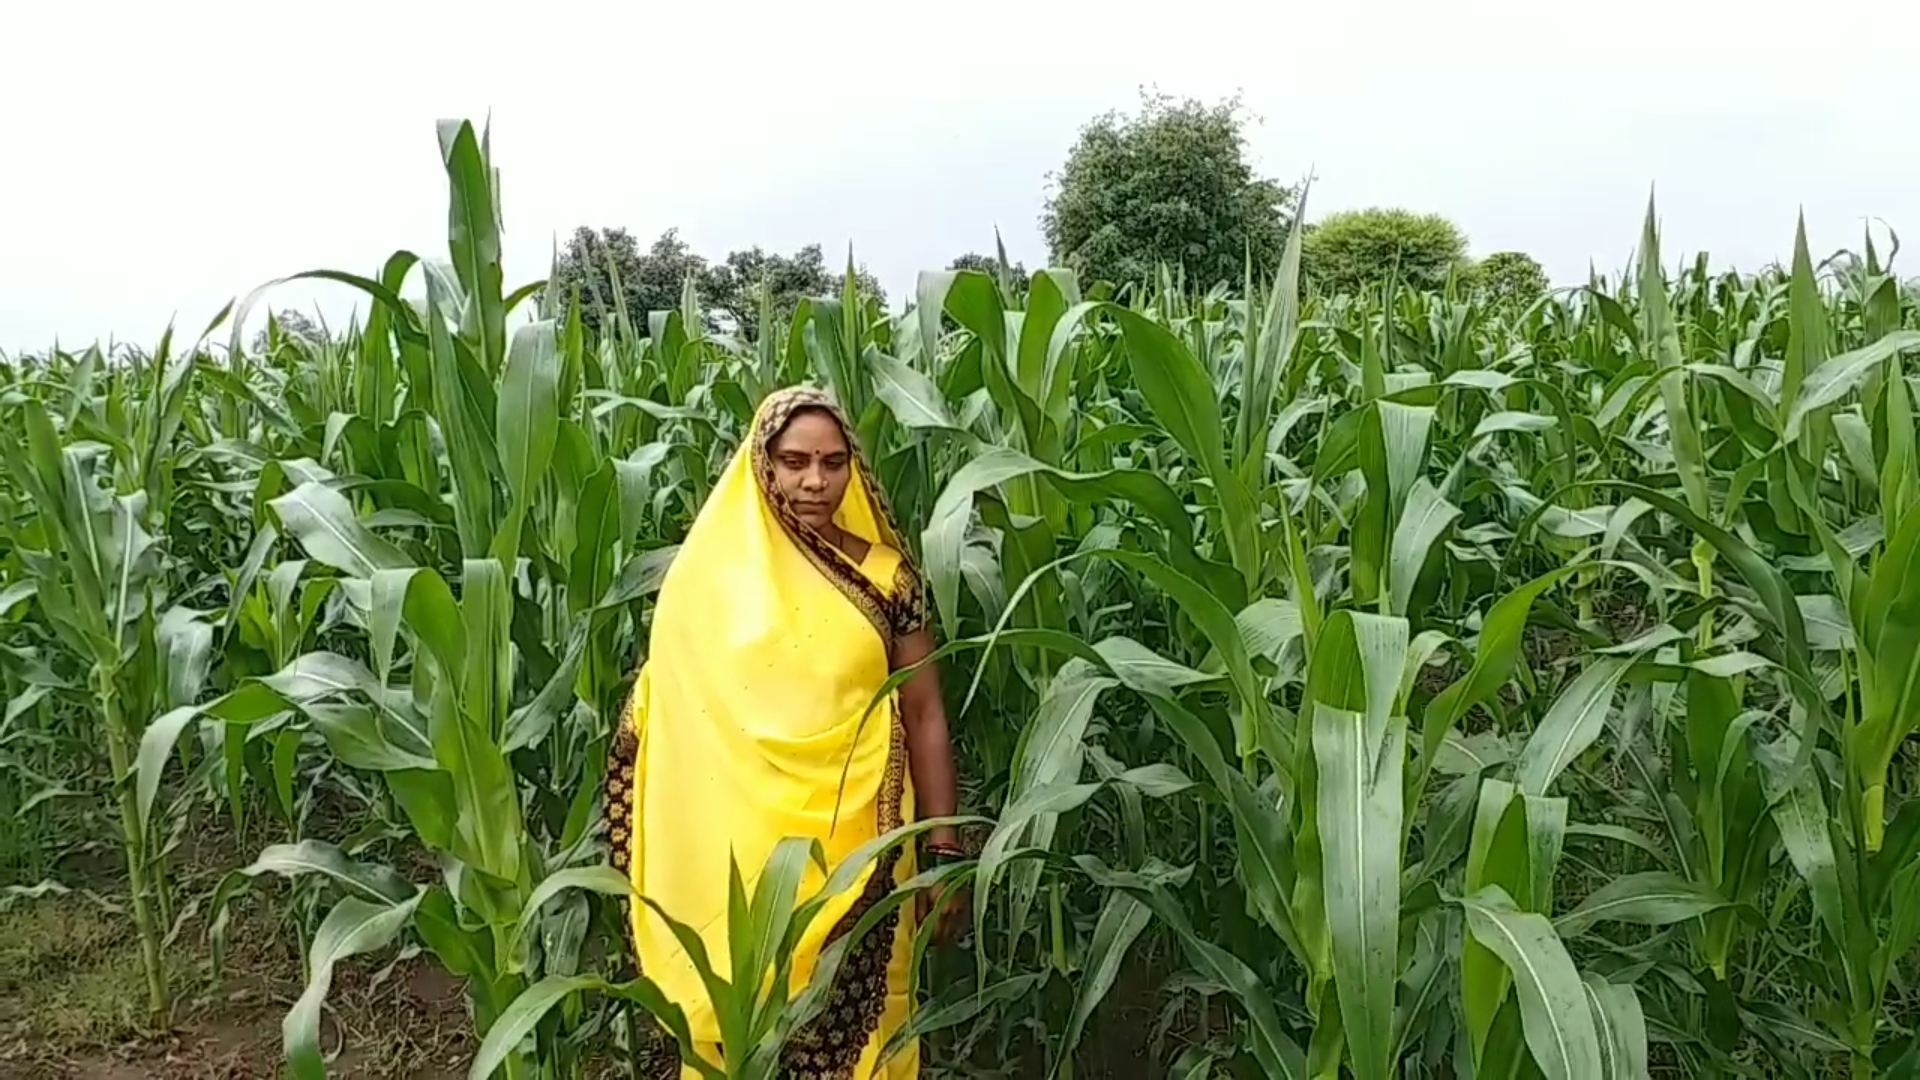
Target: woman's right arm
x: 923, y: 713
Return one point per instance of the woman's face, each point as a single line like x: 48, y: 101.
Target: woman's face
x: 811, y: 466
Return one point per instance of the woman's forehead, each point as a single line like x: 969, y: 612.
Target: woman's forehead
x: 813, y: 431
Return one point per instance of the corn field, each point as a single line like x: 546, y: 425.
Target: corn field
x: 1397, y: 685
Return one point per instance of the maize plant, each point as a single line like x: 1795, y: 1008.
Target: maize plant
x: 1385, y: 685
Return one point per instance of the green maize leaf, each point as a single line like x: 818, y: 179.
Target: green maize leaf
x: 157, y: 742
x: 1498, y: 856
x: 1141, y: 669
x: 185, y: 644
x: 1494, y: 659
x: 1792, y: 1026
x: 1495, y: 423
x: 1661, y: 337
x: 1775, y: 595
x: 1889, y: 623
x: 324, y: 523
x: 1052, y: 741
x: 1651, y: 898
x: 604, y: 880
x: 374, y: 884
x: 910, y: 396
x: 1360, y: 807
x: 956, y: 1007
x: 1047, y: 305
x: 1425, y: 980
x: 1193, y: 1064
x: 1261, y: 835
x: 527, y: 725
x: 946, y: 528
x: 1799, y: 811
x: 1621, y: 1026
x: 1899, y: 487
x: 421, y: 600
x: 527, y: 422
x: 1553, y: 1006
x: 464, y: 407
x: 1806, y: 321
x: 312, y: 676
x: 1839, y: 376
x: 1181, y: 396
x: 1207, y: 612
x: 1273, y: 1048
x: 473, y: 236
x: 1575, y: 720
x: 354, y: 926
x: 1270, y: 342
x: 485, y: 616
x: 1546, y: 836
x: 771, y: 913
x: 1051, y: 749
x: 462, y: 951
x: 363, y: 738
x: 527, y: 1010
x: 1426, y: 518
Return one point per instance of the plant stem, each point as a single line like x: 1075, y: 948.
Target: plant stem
x: 631, y: 1011
x: 133, y: 840
x: 1703, y: 567
x: 516, y: 1063
x: 1056, y: 917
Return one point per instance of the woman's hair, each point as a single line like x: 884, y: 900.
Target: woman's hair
x: 773, y: 437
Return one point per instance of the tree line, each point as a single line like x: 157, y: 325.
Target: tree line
x: 1168, y: 185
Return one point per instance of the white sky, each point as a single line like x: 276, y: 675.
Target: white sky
x: 158, y: 159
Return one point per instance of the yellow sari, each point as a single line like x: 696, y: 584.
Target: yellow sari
x: 767, y: 645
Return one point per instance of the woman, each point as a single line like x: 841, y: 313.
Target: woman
x: 788, y: 606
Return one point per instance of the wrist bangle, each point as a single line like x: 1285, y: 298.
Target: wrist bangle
x: 944, y: 854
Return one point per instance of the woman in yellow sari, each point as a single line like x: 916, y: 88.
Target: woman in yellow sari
x: 788, y: 606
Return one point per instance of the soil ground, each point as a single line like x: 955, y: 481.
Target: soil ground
x: 72, y: 1005
x: 73, y: 995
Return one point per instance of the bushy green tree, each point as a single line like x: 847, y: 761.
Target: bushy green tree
x: 653, y: 280
x: 1510, y: 277
x: 649, y: 281
x: 1016, y: 275
x: 732, y: 286
x: 1170, y: 185
x: 290, y: 324
x: 1352, y: 250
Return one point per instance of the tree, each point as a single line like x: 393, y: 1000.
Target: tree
x: 1354, y: 249
x: 291, y: 324
x: 864, y: 284
x: 733, y: 285
x: 649, y: 281
x: 1170, y: 185
x: 1016, y: 275
x: 653, y: 280
x: 1510, y: 278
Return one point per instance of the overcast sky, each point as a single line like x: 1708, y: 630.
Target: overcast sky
x: 158, y: 159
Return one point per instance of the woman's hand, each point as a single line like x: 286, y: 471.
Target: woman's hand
x: 948, y: 906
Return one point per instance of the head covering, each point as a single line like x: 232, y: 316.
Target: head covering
x: 749, y: 723
x: 863, y: 512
